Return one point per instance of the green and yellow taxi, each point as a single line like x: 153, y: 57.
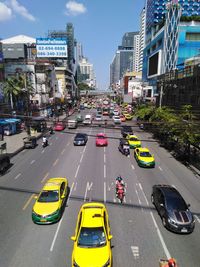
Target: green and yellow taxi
x: 144, y: 158
x: 128, y: 116
x: 133, y: 141
x: 92, y: 239
x: 49, y: 204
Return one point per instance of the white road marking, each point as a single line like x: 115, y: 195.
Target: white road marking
x: 109, y: 188
x: 32, y: 161
x: 135, y: 251
x: 138, y: 196
x: 197, y: 218
x: 104, y: 149
x: 63, y: 151
x: 42, y: 151
x: 114, y: 200
x: 104, y: 171
x: 55, y: 162
x: 18, y: 175
x: 160, y: 168
x: 75, y: 186
x: 104, y: 158
x: 160, y: 237
x: 88, y: 188
x: 104, y: 192
x: 59, y: 224
x: 143, y: 194
x: 77, y: 171
x: 82, y: 157
x: 132, y: 167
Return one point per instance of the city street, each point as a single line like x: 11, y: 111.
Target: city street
x: 139, y: 238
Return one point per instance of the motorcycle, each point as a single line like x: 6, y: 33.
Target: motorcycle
x: 120, y: 192
x: 51, y: 130
x: 45, y: 143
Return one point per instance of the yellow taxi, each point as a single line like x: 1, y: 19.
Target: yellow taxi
x: 128, y: 116
x: 92, y: 239
x: 143, y: 157
x: 49, y: 205
x: 133, y: 141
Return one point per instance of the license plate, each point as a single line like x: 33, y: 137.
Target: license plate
x: 184, y: 230
x: 43, y: 220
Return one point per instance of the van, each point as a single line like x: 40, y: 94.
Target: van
x: 72, y: 124
x: 88, y: 119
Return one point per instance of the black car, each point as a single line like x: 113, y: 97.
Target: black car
x: 172, y: 208
x: 125, y: 130
x: 124, y: 147
x: 80, y: 139
x: 4, y: 163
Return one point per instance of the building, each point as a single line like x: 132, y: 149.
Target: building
x: 167, y: 50
x: 142, y: 38
x: 86, y: 73
x: 136, y: 54
x: 155, y: 11
x: 123, y: 59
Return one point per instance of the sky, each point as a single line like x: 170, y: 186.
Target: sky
x: 99, y: 25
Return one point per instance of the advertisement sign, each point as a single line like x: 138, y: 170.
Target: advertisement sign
x: 51, y: 47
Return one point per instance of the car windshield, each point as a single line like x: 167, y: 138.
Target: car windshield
x: 49, y: 196
x: 101, y: 137
x: 145, y: 154
x: 176, y: 203
x: 80, y: 136
x: 92, y: 237
x: 133, y: 139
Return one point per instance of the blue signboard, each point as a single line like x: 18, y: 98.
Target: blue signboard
x: 51, y: 47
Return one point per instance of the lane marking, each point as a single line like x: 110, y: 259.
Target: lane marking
x: 143, y: 194
x: 88, y: 188
x: 104, y: 149
x: 135, y: 251
x: 197, y: 218
x: 104, y: 195
x: 104, y: 158
x: 55, y: 162
x: 28, y: 201
x: 59, y: 224
x: 18, y: 175
x: 46, y: 175
x: 77, y: 171
x: 138, y: 196
x: 104, y: 171
x: 75, y: 186
x: 160, y: 168
x: 82, y: 157
x: 42, y: 151
x: 132, y: 167
x: 160, y: 237
x: 63, y: 151
x: 32, y: 161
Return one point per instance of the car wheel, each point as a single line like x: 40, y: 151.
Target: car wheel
x: 164, y: 222
x: 152, y: 199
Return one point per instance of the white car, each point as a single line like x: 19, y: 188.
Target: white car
x: 98, y: 117
x: 116, y: 112
x: 117, y: 119
x: 88, y: 119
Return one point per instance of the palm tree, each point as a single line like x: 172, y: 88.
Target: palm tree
x: 12, y: 87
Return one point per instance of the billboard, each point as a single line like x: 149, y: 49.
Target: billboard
x: 154, y: 64
x: 51, y: 47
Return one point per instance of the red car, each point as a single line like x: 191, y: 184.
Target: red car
x: 59, y: 126
x: 101, y: 140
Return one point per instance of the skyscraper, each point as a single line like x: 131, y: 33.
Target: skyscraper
x: 156, y: 9
x: 142, y: 37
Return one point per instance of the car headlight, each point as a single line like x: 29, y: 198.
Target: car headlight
x: 172, y: 221
x: 54, y: 213
x: 34, y: 213
x: 75, y: 264
x: 106, y: 264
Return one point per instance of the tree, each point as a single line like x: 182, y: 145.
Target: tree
x: 11, y: 87
x: 83, y: 86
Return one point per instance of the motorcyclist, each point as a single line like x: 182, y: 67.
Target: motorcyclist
x: 44, y: 140
x: 119, y: 184
x: 169, y: 263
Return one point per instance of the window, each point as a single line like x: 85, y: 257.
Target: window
x: 193, y: 36
x: 62, y: 189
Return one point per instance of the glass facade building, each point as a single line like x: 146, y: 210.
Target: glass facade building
x: 156, y: 9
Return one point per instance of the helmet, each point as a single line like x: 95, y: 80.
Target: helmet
x: 119, y: 178
x: 172, y: 262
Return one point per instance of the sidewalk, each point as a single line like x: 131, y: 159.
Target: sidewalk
x: 15, y: 142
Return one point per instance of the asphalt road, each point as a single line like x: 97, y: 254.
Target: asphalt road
x: 139, y: 238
